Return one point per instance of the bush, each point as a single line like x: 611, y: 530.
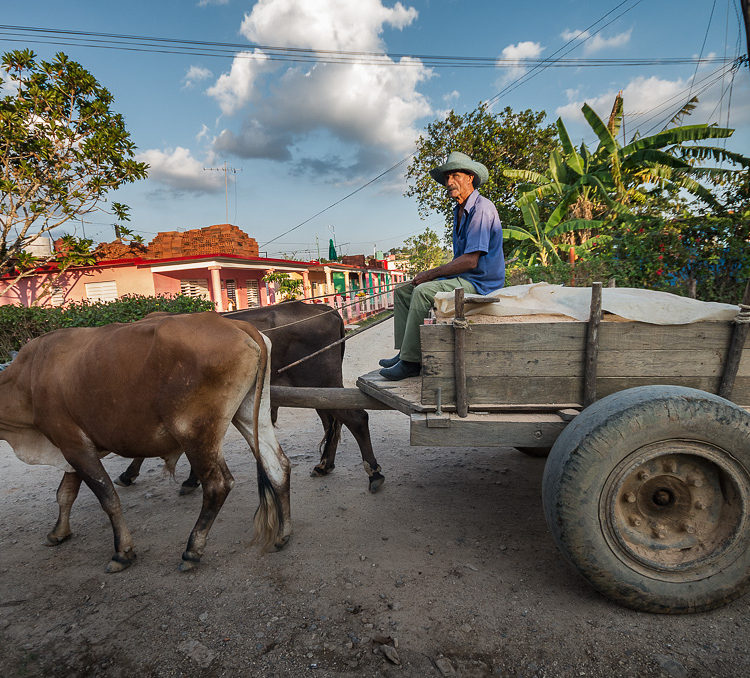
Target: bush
x: 705, y: 257
x: 19, y: 324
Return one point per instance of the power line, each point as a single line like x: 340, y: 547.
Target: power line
x: 549, y: 61
x: 348, y: 195
x: 703, y: 46
x: 157, y: 45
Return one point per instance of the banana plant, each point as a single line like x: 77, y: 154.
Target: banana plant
x: 540, y: 240
x: 614, y: 178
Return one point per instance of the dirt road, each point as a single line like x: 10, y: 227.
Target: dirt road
x: 448, y: 570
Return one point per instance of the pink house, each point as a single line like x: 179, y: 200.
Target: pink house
x: 231, y: 280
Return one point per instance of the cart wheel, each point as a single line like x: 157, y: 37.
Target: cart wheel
x: 534, y: 451
x: 647, y: 493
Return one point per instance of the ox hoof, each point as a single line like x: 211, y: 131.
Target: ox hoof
x: 188, y: 489
x: 120, y: 563
x: 55, y: 540
x: 320, y: 470
x: 376, y: 482
x: 123, y: 481
x: 189, y: 561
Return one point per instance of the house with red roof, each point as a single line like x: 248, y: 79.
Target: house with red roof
x: 220, y: 263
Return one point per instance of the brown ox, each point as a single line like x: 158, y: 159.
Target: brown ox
x: 155, y: 388
x: 298, y: 329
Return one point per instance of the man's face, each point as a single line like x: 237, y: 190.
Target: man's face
x: 459, y: 185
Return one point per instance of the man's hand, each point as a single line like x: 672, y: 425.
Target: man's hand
x: 453, y: 269
x: 423, y: 277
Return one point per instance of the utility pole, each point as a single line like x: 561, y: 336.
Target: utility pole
x: 226, y: 171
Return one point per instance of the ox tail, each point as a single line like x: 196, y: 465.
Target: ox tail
x: 268, y: 516
x: 262, y: 379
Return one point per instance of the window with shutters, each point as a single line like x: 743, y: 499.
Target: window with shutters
x: 253, y: 295
x: 232, y: 291
x: 195, y: 288
x: 105, y: 290
x: 57, y: 298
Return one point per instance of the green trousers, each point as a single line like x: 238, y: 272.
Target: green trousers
x: 411, y: 305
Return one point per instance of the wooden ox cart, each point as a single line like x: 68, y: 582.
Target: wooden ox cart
x: 646, y: 489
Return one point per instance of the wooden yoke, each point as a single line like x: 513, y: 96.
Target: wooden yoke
x: 737, y: 343
x: 459, y: 336
x: 592, y: 345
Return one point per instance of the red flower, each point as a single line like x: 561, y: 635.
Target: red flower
x: 658, y: 272
x: 660, y: 257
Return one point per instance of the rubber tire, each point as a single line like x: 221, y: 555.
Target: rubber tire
x: 592, y: 446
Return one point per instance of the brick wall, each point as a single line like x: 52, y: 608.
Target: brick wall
x: 217, y: 239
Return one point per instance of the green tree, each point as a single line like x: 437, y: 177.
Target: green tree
x: 62, y: 148
x: 288, y: 287
x: 498, y: 140
x: 424, y: 251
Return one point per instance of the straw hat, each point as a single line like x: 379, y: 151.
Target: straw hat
x: 460, y: 162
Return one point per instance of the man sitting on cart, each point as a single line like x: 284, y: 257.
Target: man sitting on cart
x: 478, y: 264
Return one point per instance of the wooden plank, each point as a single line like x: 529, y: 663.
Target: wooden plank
x: 592, y: 345
x: 404, y: 395
x: 459, y: 363
x: 572, y: 336
x: 559, y: 391
x: 564, y: 391
x: 734, y: 353
x: 489, y: 430
x: 699, y: 363
x: 509, y: 337
x: 324, y: 398
x: 640, y: 336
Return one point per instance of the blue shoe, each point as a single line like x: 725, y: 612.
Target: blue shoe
x: 403, y: 369
x: 389, y: 362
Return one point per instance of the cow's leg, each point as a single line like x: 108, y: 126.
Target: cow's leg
x: 217, y: 481
x: 66, y: 495
x: 128, y: 476
x: 331, y: 436
x: 357, y: 422
x: 90, y: 469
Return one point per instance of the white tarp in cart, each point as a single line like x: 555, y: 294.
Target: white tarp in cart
x: 648, y: 306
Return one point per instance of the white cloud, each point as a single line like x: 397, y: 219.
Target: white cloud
x: 649, y: 101
x: 9, y: 86
x: 523, y: 50
x: 206, y: 3
x: 360, y: 105
x: 196, y: 74
x: 451, y: 96
x: 324, y: 24
x: 234, y: 89
x: 179, y: 170
x: 597, y: 42
x: 203, y: 132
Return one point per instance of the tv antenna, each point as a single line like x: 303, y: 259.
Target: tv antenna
x: 227, y: 170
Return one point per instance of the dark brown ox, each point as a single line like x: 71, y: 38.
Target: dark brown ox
x: 155, y: 388
x: 298, y: 329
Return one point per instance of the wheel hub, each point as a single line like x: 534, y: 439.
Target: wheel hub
x: 673, y: 507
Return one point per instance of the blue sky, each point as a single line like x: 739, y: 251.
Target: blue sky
x: 301, y: 136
